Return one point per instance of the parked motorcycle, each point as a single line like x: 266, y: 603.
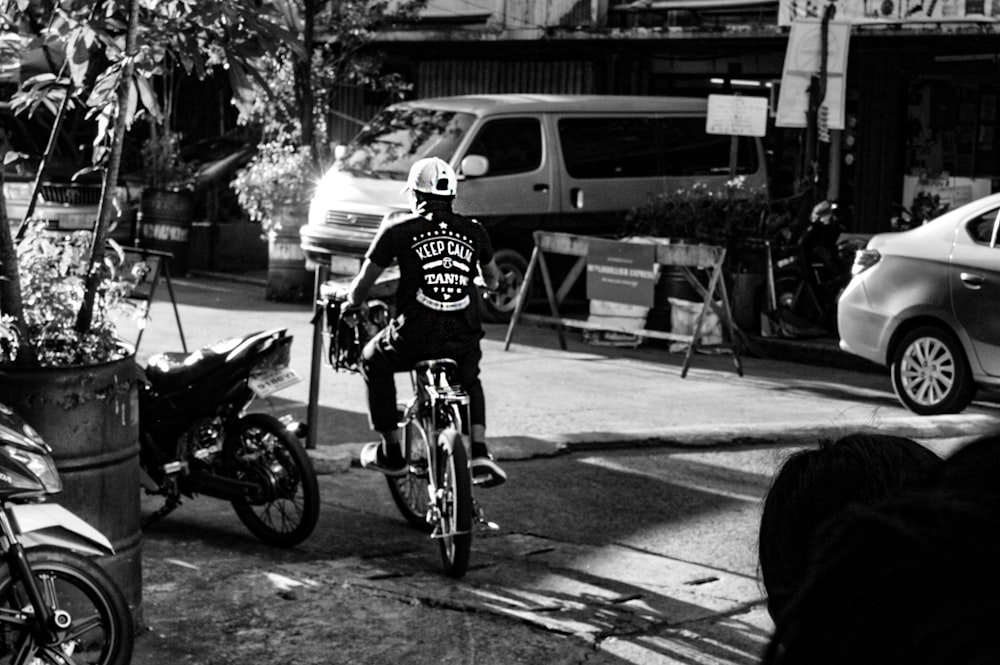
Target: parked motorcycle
x: 808, y: 266
x: 196, y: 436
x: 57, y: 606
x: 925, y: 207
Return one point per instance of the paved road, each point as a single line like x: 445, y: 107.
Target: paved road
x: 621, y: 557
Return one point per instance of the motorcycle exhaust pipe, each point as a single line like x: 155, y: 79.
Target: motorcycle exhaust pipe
x: 221, y: 487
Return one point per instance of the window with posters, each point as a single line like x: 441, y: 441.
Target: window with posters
x: 952, y: 145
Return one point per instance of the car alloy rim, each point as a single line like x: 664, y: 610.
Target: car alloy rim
x: 927, y: 371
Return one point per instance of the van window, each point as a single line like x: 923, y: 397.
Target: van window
x: 608, y: 147
x: 512, y: 145
x: 603, y: 147
x: 399, y: 136
x: 688, y: 151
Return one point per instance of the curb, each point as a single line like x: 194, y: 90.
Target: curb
x: 940, y: 433
x: 242, y: 278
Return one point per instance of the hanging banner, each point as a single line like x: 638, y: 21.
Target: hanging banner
x: 803, y: 59
x: 888, y: 12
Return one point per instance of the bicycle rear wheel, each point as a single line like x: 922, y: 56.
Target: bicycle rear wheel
x: 410, y: 492
x: 453, y: 503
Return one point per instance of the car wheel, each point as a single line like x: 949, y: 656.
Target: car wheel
x: 499, y: 306
x: 930, y: 373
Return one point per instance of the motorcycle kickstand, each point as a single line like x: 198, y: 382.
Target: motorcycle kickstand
x: 480, y: 517
x: 171, y: 504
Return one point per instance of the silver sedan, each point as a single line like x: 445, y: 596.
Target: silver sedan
x: 926, y: 303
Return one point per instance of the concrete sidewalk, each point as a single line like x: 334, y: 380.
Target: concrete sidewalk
x: 543, y: 400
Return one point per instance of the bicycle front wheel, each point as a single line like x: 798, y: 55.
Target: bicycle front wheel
x: 410, y: 492
x: 453, y: 503
x: 96, y: 627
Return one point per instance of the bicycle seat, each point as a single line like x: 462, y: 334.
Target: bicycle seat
x: 437, y: 364
x: 434, y: 369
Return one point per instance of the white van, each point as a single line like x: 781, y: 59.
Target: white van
x: 569, y: 163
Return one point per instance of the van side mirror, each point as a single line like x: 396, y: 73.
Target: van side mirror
x: 474, y: 166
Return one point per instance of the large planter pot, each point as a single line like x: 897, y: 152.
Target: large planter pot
x: 287, y: 277
x: 165, y: 219
x: 90, y: 417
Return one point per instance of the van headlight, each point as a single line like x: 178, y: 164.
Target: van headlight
x: 16, y: 191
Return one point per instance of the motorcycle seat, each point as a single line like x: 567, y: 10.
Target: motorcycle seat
x: 173, y: 370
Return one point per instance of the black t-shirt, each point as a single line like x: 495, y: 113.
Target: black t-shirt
x: 438, y: 255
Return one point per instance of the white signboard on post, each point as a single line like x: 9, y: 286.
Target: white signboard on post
x: 736, y: 115
x: 803, y: 59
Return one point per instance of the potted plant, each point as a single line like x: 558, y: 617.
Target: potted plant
x: 274, y: 189
x: 167, y: 208
x: 64, y: 368
x: 730, y: 218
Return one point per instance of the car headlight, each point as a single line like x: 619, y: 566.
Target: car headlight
x: 865, y: 259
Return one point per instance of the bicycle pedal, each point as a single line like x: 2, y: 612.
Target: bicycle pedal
x: 481, y: 517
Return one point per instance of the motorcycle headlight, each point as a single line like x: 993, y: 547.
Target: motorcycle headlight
x: 41, y: 465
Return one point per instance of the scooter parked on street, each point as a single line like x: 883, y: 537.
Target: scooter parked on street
x: 196, y: 436
x: 57, y: 606
x: 808, y: 266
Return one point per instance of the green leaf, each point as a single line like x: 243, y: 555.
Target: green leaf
x: 148, y: 96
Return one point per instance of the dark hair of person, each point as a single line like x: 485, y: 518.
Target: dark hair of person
x: 973, y: 468
x: 813, y: 485
x: 434, y: 201
x: 910, y: 580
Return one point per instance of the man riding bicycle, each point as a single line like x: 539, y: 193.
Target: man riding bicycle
x: 440, y: 253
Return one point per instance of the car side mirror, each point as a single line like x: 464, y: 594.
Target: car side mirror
x: 474, y: 166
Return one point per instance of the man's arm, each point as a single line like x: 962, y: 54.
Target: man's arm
x: 491, y: 275
x: 364, y: 280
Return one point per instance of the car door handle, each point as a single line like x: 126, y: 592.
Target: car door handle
x: 972, y: 280
x: 541, y: 187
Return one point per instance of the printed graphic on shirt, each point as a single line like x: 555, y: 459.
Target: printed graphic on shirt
x: 447, y: 260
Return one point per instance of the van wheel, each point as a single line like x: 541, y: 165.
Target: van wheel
x: 499, y: 307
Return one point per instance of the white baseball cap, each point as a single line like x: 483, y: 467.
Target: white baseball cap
x: 432, y: 175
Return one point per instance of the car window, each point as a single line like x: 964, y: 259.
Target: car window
x: 512, y: 145
x: 982, y: 229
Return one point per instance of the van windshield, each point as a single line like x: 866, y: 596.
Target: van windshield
x: 399, y: 136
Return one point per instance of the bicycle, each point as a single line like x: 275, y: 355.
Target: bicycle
x: 435, y: 494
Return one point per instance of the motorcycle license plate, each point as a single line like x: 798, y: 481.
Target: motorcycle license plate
x: 270, y: 382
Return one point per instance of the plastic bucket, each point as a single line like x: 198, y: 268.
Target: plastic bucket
x: 287, y: 277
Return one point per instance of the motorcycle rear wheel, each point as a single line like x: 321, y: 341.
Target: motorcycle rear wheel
x: 792, y: 295
x: 100, y: 629
x: 284, y: 508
